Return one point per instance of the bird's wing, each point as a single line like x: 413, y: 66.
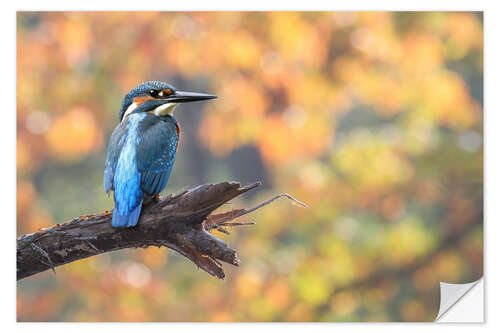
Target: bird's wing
x: 122, y: 174
x: 156, y: 155
x: 115, y: 146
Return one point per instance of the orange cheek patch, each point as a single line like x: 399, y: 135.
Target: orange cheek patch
x: 167, y: 91
x: 141, y: 99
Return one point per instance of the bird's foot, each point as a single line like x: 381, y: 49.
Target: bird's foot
x: 149, y: 200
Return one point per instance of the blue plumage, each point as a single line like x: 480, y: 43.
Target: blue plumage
x: 127, y: 178
x: 141, y: 156
x: 127, y: 220
x: 142, y: 148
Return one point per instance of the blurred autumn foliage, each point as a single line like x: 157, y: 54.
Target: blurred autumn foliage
x: 373, y: 119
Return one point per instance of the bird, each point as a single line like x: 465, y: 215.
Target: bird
x: 142, y: 148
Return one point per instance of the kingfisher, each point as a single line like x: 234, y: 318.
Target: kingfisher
x: 141, y: 150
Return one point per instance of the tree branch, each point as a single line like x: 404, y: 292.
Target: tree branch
x: 181, y: 222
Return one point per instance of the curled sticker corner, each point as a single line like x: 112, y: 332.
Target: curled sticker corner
x: 451, y: 293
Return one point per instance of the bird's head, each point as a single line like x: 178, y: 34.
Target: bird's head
x: 158, y: 98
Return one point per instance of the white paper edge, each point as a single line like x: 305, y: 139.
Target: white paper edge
x: 461, y: 302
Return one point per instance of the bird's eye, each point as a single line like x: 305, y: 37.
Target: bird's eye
x: 154, y: 93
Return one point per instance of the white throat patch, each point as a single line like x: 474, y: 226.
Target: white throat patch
x: 130, y: 109
x: 162, y: 110
x: 165, y: 109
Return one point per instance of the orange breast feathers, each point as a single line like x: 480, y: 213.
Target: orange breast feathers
x: 178, y: 134
x: 178, y: 130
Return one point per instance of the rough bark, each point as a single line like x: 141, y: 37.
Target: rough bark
x: 181, y: 222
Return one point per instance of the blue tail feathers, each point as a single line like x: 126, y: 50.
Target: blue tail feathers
x: 125, y: 221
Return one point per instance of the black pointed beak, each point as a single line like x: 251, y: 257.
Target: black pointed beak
x: 185, y: 96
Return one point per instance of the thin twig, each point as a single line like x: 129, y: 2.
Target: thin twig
x: 286, y: 195
x: 216, y: 220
